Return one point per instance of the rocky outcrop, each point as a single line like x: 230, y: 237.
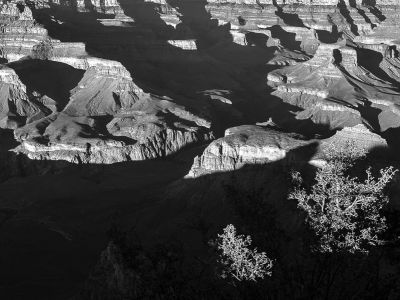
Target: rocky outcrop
x: 256, y: 145
x: 360, y: 135
x: 100, y: 151
x: 184, y: 44
x: 245, y: 145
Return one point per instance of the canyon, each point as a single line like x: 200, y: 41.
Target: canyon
x: 328, y: 59
x: 165, y: 99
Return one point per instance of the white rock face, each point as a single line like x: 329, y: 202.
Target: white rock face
x: 360, y: 135
x: 255, y: 145
x: 184, y: 44
x: 244, y: 145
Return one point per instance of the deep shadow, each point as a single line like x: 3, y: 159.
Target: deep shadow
x: 337, y: 56
x: 289, y: 19
x: 178, y: 74
x: 197, y: 212
x: 353, y: 4
x: 256, y: 39
x: 288, y: 39
x: 57, y: 212
x: 371, y: 4
x: 254, y: 199
x: 328, y: 37
x: 371, y: 114
x: 66, y: 209
x: 346, y: 13
x: 53, y: 79
x: 391, y: 135
x: 370, y: 60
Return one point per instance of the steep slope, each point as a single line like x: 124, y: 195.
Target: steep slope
x: 333, y: 88
x: 16, y: 109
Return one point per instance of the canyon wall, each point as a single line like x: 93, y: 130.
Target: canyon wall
x: 139, y: 89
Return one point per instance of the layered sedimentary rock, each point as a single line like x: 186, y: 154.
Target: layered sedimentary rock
x: 90, y: 110
x: 256, y: 145
x: 388, y: 30
x: 19, y: 32
x: 110, y: 119
x: 333, y: 89
x: 304, y: 23
x: 248, y: 17
x: 316, y: 53
x: 100, y: 6
x: 21, y: 35
x: 16, y: 109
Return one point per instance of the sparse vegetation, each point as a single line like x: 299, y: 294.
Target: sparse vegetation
x: 239, y: 260
x: 344, y: 212
x: 266, y: 219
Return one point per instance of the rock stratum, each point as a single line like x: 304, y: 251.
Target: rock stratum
x: 118, y: 80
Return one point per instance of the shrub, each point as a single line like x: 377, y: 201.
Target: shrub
x: 344, y: 212
x: 238, y: 260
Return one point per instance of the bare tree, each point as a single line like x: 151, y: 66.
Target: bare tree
x: 238, y: 260
x: 345, y: 212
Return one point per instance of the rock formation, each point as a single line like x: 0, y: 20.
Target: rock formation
x: 113, y: 108
x: 16, y: 109
x: 257, y: 145
x: 110, y: 119
x: 105, y: 118
x: 333, y: 88
x: 247, y: 144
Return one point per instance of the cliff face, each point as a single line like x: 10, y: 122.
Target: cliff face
x: 109, y: 119
x: 332, y: 88
x: 309, y: 22
x: 99, y: 115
